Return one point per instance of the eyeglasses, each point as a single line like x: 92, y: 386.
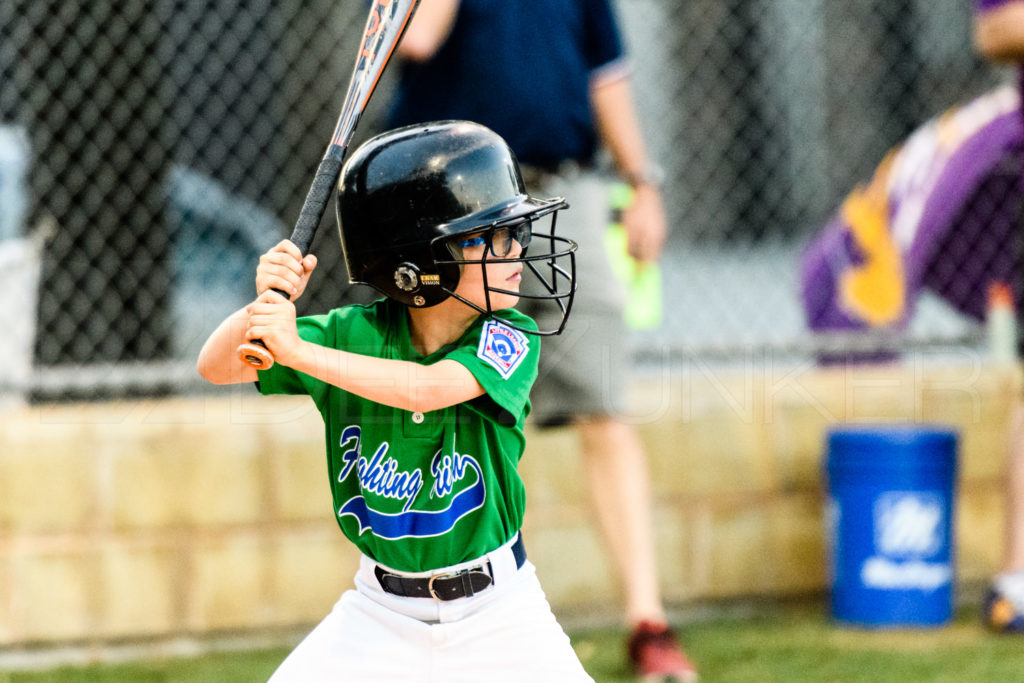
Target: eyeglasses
x: 499, y: 239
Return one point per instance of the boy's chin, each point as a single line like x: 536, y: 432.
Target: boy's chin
x: 503, y: 301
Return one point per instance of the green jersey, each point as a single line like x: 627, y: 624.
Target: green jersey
x: 419, y: 491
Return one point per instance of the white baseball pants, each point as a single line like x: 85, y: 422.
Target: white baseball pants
x: 504, y: 633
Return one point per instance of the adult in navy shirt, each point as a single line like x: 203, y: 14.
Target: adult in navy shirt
x: 551, y: 78
x: 512, y: 68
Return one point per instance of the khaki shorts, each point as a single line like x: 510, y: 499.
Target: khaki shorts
x: 583, y: 371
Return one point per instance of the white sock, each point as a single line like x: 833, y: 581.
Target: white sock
x: 1011, y: 586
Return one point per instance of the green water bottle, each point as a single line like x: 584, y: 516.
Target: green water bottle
x: 642, y: 280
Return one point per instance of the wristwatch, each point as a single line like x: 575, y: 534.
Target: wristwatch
x: 651, y: 174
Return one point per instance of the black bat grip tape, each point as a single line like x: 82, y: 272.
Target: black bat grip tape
x: 316, y: 203
x: 313, y: 210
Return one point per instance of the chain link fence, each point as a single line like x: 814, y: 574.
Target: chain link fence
x: 151, y: 150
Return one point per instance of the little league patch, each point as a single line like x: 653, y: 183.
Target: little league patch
x: 502, y: 347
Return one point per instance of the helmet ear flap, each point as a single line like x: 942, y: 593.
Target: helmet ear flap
x: 446, y: 261
x: 414, y: 287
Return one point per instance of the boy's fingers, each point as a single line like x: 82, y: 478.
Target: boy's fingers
x: 279, y: 271
x: 283, y: 279
x: 258, y: 332
x: 285, y: 262
x: 261, y: 316
x: 271, y: 297
x: 288, y: 247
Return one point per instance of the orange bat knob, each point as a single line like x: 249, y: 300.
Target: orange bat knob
x: 256, y: 354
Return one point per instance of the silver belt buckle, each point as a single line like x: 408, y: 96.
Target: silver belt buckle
x: 430, y: 583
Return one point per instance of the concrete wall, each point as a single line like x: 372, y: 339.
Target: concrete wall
x: 199, y: 516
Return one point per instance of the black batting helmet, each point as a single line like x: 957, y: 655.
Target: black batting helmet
x: 404, y: 194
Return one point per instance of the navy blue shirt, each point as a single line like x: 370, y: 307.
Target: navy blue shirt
x: 521, y: 68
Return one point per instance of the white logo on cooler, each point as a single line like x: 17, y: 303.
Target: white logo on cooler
x: 881, y: 572
x: 908, y: 524
x: 908, y: 529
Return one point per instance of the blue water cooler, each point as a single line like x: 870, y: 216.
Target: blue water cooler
x: 890, y: 524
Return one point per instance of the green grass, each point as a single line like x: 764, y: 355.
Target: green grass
x: 233, y: 667
x: 800, y: 643
x: 792, y: 643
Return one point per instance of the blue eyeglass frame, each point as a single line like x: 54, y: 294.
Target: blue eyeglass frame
x: 521, y: 232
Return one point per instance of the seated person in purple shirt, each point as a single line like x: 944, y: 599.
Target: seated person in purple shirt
x: 943, y: 212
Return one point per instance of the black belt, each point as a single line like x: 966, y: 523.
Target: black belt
x: 452, y: 586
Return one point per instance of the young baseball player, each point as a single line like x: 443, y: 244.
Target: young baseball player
x: 552, y: 77
x: 424, y: 394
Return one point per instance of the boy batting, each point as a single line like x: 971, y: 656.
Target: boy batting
x: 424, y: 394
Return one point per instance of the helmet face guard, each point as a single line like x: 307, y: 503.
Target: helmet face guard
x: 407, y: 195
x: 552, y: 266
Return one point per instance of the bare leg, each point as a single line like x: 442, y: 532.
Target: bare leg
x: 1003, y: 607
x: 1013, y: 554
x: 616, y: 467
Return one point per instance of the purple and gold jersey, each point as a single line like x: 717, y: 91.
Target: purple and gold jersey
x: 942, y: 211
x: 419, y: 491
x: 985, y: 5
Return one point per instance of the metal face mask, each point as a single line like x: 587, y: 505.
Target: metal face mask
x: 549, y: 268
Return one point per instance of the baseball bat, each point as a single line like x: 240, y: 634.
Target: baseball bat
x: 385, y: 25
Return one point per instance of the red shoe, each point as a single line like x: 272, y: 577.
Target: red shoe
x: 655, y: 654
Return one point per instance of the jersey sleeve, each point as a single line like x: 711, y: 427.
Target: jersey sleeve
x: 357, y: 328
x: 603, y: 44
x: 280, y: 379
x: 504, y: 360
